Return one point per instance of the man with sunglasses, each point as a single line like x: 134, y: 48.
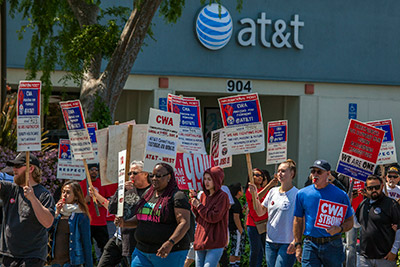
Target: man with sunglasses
x: 322, y: 246
x: 376, y: 214
x: 119, y: 248
x: 392, y: 181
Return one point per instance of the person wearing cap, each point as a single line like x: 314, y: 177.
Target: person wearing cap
x: 392, y: 181
x: 98, y: 224
x: 28, y: 212
x: 323, y: 223
x: 377, y: 213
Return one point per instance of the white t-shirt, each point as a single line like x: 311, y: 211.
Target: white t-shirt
x: 393, y: 193
x: 280, y: 215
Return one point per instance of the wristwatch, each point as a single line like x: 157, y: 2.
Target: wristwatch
x: 297, y: 243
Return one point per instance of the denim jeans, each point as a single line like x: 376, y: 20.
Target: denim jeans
x: 330, y: 254
x: 208, y: 257
x: 176, y: 258
x: 257, y: 245
x: 276, y: 255
x: 351, y: 247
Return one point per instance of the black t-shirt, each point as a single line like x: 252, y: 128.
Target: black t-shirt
x: 235, y: 208
x: 22, y: 235
x: 376, y: 219
x: 131, y: 198
x: 152, y: 232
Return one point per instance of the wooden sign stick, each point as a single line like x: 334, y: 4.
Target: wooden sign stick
x: 89, y: 180
x: 249, y: 168
x: 128, y: 152
x: 383, y: 179
x: 27, y: 168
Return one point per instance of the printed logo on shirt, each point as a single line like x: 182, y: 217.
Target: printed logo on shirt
x: 329, y: 213
x: 393, y: 195
x: 272, y: 203
x: 285, y: 205
x: 12, y: 200
x: 145, y: 213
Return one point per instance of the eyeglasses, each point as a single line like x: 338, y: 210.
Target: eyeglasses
x: 393, y: 176
x: 133, y: 173
x: 151, y: 175
x: 257, y: 174
x: 317, y: 171
x: 373, y: 187
x: 17, y: 166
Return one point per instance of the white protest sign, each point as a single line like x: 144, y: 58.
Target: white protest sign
x: 28, y: 116
x: 68, y: 167
x: 162, y: 139
x: 242, y: 119
x: 190, y: 133
x: 277, y: 132
x: 77, y: 131
x: 121, y: 182
x: 387, y: 153
x: 219, y: 149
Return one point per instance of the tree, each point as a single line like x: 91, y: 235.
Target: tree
x: 75, y: 35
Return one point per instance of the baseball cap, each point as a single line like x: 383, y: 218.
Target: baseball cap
x: 321, y: 164
x: 21, y: 159
x: 393, y: 169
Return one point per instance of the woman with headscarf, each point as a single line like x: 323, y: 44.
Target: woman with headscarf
x: 162, y: 220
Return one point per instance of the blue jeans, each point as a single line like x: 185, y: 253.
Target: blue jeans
x: 276, y: 255
x: 257, y: 245
x: 208, y: 257
x: 176, y: 258
x: 330, y: 254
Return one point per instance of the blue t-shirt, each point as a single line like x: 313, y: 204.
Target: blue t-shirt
x: 307, y: 201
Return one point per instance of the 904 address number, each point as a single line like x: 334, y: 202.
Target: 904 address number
x: 239, y: 86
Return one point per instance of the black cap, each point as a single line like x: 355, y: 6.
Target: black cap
x: 21, y: 159
x: 321, y: 164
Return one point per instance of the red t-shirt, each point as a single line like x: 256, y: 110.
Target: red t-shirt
x: 252, y: 216
x: 111, y: 188
x: 96, y: 220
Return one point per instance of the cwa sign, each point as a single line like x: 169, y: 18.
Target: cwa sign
x: 214, y: 29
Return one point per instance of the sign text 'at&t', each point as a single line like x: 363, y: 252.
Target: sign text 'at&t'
x: 214, y: 28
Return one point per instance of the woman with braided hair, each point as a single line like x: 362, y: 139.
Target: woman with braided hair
x: 162, y: 220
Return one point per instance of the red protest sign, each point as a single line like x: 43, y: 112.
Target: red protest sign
x: 189, y: 170
x: 329, y: 213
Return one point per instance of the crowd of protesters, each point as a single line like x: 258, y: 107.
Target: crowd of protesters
x: 164, y: 226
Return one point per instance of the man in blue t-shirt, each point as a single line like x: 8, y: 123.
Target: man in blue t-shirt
x: 324, y: 212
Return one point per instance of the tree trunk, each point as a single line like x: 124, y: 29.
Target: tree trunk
x: 112, y: 81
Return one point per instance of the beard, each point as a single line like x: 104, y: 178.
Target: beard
x: 374, y: 196
x: 19, y: 179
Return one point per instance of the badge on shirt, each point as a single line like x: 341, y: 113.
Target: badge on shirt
x: 377, y: 210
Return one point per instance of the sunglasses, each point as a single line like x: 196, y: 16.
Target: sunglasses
x: 373, y: 187
x: 133, y: 173
x: 317, y: 171
x: 393, y: 176
x: 158, y: 176
x: 94, y: 169
x: 257, y: 174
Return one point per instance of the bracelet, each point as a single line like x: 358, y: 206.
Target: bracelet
x: 172, y: 241
x: 297, y: 243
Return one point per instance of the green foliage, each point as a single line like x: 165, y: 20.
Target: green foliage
x: 101, y: 113
x: 8, y: 123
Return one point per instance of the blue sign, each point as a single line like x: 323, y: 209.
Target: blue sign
x: 388, y: 133
x: 277, y: 134
x: 162, y: 103
x: 28, y: 102
x: 190, y: 115
x: 352, y: 111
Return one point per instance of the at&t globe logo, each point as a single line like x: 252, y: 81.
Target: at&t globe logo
x: 214, y: 26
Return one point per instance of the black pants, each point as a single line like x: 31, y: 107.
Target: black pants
x: 100, y: 234
x: 18, y: 262
x: 112, y: 254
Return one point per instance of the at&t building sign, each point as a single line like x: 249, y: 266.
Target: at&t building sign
x: 214, y: 29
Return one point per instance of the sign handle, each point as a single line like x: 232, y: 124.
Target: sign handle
x: 350, y: 192
x: 27, y: 168
x: 383, y: 179
x: 91, y: 186
x: 249, y: 168
x: 128, y: 152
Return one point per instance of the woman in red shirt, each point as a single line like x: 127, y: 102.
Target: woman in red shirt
x: 257, y: 239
